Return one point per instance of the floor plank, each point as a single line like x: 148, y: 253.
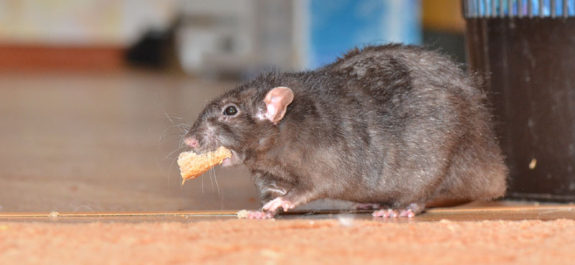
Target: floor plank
x: 74, y: 142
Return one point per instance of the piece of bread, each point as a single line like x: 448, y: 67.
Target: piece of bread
x: 193, y: 165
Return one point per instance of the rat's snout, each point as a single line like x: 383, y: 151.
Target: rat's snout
x: 192, y: 142
x: 201, y: 138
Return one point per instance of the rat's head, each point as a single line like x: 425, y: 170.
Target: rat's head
x: 243, y: 120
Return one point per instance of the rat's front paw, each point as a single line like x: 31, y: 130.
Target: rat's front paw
x: 274, y: 205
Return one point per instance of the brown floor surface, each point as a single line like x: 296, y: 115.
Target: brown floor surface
x: 106, y: 142
x: 99, y: 149
x: 477, y: 233
x: 290, y: 242
x: 475, y: 211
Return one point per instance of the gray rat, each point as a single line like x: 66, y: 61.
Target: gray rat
x: 392, y: 125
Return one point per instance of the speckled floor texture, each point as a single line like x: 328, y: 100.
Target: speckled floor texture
x: 491, y: 233
x: 290, y: 242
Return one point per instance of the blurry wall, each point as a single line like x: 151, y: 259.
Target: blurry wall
x: 443, y: 27
x: 80, y: 22
x: 248, y: 36
x: 442, y: 15
x: 217, y: 37
x: 337, y: 26
x: 56, y: 35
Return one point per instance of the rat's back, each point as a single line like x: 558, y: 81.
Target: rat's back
x: 435, y: 139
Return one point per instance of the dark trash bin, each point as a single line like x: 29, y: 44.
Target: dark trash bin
x: 525, y: 52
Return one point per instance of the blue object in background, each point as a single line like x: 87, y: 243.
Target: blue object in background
x: 336, y: 26
x: 519, y: 8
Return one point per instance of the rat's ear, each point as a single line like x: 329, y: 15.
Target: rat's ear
x: 277, y: 100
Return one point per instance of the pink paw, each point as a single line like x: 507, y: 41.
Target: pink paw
x: 390, y: 213
x: 277, y: 203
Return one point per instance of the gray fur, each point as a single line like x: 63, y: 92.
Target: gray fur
x: 392, y: 124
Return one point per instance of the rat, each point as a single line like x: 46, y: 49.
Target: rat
x: 396, y: 126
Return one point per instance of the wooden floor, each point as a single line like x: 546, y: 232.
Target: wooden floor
x: 499, y: 210
x: 83, y: 142
x: 102, y: 146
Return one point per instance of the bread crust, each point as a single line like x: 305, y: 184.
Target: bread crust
x: 193, y: 165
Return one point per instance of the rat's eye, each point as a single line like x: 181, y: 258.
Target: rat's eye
x: 230, y: 110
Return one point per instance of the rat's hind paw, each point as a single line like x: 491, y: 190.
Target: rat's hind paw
x: 409, y: 212
x: 390, y: 213
x: 274, y: 205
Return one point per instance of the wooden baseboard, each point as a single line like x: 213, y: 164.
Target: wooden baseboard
x: 15, y: 57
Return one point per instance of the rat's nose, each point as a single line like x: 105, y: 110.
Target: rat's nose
x: 191, y: 142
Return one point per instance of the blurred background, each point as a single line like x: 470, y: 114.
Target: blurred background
x: 95, y: 95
